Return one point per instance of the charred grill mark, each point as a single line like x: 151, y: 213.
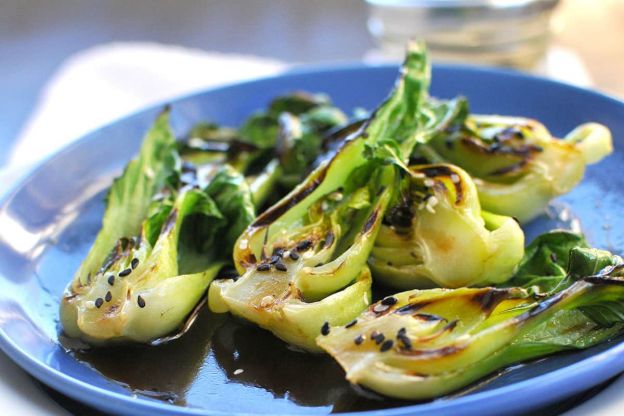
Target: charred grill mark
x: 595, y: 280
x: 434, y: 353
x: 608, y: 270
x: 509, y: 133
x: 411, y: 308
x: 370, y: 221
x: 299, y: 195
x: 402, y: 214
x: 263, y: 255
x: 341, y: 133
x: 70, y: 297
x: 329, y: 239
x: 114, y: 255
x: 524, y: 151
x: 450, y: 326
x: 437, y: 170
x: 510, y: 169
x: 237, y: 146
x: 553, y: 300
x: 287, y: 203
x: 228, y: 272
x: 428, y: 317
x: 459, y: 192
x: 488, y: 299
x: 542, y: 306
x: 170, y: 222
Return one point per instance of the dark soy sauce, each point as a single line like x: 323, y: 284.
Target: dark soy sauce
x: 200, y: 370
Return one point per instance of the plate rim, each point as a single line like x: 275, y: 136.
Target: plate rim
x: 592, y: 370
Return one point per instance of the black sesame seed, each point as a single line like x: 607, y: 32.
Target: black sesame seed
x: 325, y: 329
x: 293, y: 255
x: 280, y: 266
x: 140, y: 301
x: 401, y: 331
x: 389, y: 301
x: 304, y: 245
x: 386, y: 345
x: 274, y: 259
x: 111, y: 279
x: 407, y: 343
x: 125, y: 272
x: 279, y: 252
x: 134, y: 263
x: 553, y: 257
x: 108, y: 296
x: 263, y: 267
x: 350, y: 324
x: 99, y: 302
x: 359, y: 340
x: 378, y: 337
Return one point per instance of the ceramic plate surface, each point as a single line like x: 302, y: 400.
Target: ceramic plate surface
x: 49, y: 220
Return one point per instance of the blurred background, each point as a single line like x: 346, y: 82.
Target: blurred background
x: 69, y: 66
x: 43, y: 43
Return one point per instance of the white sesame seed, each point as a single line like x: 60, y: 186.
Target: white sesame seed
x: 238, y: 371
x: 455, y: 178
x: 431, y: 202
x: 429, y: 182
x: 380, y: 307
x: 266, y: 301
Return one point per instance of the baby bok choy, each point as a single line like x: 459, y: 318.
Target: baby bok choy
x: 422, y: 344
x: 274, y: 148
x: 435, y: 234
x: 517, y: 165
x: 303, y: 261
x: 161, y: 243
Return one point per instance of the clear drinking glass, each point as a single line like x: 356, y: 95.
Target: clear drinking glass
x: 496, y: 32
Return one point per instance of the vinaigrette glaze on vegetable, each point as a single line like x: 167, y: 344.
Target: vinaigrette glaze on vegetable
x: 289, y: 221
x: 173, y: 216
x: 426, y: 343
x: 517, y: 165
x: 147, y: 270
x: 330, y: 223
x: 436, y: 234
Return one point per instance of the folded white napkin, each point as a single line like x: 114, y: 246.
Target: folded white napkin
x: 101, y: 84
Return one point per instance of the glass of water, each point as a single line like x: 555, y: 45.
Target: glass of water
x: 496, y: 32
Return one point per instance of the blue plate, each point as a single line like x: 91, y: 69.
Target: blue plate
x: 49, y: 220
